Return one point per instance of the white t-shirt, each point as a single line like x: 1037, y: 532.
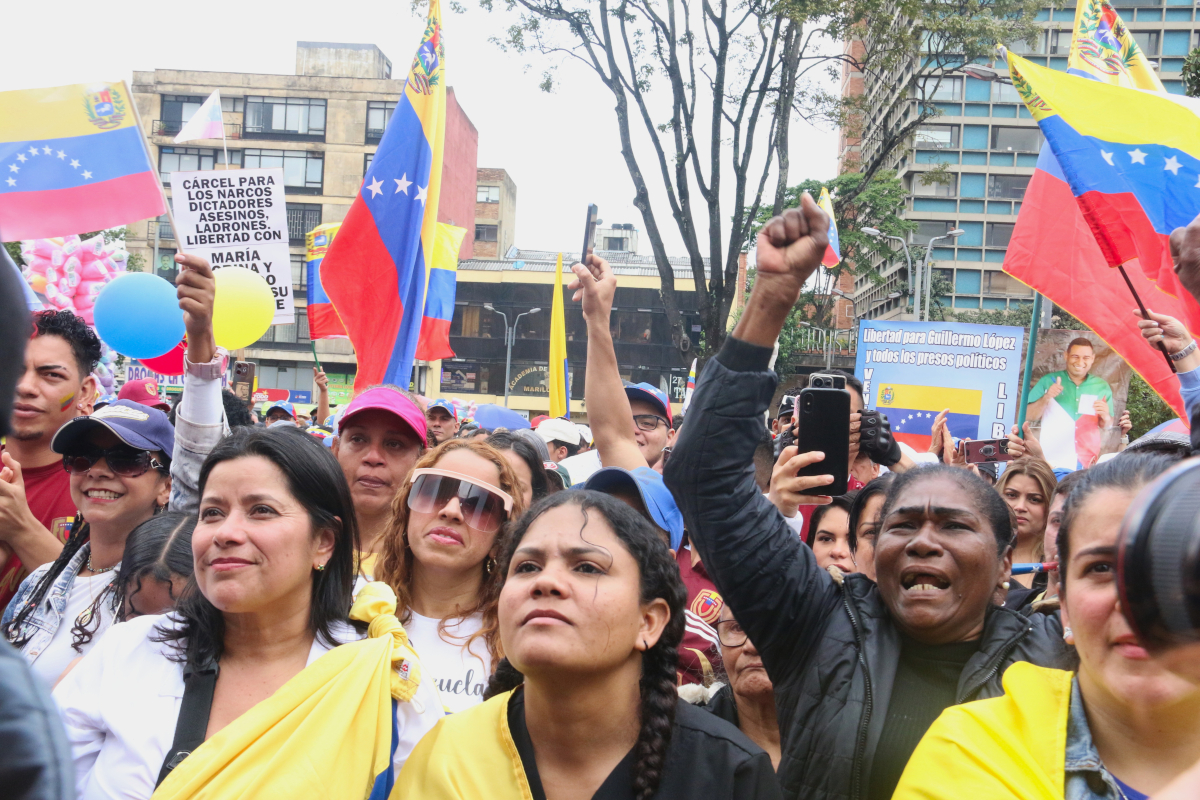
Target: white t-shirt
x: 460, y: 674
x: 58, y: 654
x: 582, y: 466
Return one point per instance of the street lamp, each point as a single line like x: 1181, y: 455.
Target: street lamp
x: 510, y: 335
x: 954, y: 234
x: 916, y: 295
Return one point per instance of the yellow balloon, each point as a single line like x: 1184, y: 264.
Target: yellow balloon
x: 244, y: 307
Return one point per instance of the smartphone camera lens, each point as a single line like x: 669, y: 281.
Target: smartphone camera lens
x: 987, y: 450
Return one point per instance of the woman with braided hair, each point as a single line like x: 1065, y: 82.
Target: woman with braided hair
x: 584, y: 704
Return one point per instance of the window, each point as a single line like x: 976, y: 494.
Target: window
x: 1000, y: 283
x: 1058, y: 43
x: 1005, y: 93
x: 302, y: 218
x: 948, y: 189
x: 1023, y: 48
x: 940, y: 88
x: 998, y: 234
x: 487, y: 194
x: 1027, y: 140
x: 190, y: 159
x: 937, y: 137
x: 486, y: 233
x: 379, y: 114
x: 233, y: 104
x: 614, y: 242
x: 367, y: 159
x: 1007, y: 187
x: 180, y: 108
x: 299, y: 272
x: 927, y: 230
x: 1148, y: 41
x: 301, y: 170
x: 284, y: 116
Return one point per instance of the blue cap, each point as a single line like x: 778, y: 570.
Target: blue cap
x: 446, y: 404
x: 138, y: 426
x: 288, y: 407
x: 651, y: 394
x: 654, y: 493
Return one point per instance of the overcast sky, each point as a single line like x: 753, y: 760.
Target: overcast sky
x: 561, y: 149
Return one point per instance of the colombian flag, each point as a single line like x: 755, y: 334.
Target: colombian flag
x: 833, y: 253
x: 72, y: 159
x: 375, y: 270
x: 1053, y: 249
x: 323, y: 322
x: 911, y: 410
x: 560, y: 371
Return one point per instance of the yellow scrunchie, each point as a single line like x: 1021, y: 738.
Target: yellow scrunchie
x: 376, y: 606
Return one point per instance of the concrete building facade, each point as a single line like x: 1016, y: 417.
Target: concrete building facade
x: 495, y: 213
x: 322, y: 126
x: 989, y: 145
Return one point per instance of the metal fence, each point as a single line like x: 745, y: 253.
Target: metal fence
x: 828, y: 343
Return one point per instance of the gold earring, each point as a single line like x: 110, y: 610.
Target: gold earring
x: 319, y: 567
x: 489, y: 564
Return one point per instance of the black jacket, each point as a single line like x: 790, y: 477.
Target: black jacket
x: 35, y: 759
x: 708, y: 759
x: 831, y: 650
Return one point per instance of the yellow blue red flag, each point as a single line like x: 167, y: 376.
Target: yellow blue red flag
x: 442, y: 281
x: 376, y: 269
x: 1103, y: 49
x: 72, y: 159
x: 833, y: 253
x: 560, y: 371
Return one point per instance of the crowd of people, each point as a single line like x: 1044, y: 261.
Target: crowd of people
x: 394, y: 602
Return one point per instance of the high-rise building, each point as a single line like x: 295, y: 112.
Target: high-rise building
x: 322, y: 127
x: 989, y: 145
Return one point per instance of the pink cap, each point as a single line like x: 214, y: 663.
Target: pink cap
x: 144, y: 391
x: 388, y: 400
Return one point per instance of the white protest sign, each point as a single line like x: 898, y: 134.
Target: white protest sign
x: 238, y: 218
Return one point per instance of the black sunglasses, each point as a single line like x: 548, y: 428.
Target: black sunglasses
x: 122, y: 460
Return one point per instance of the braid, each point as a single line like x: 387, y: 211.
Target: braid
x: 79, y: 535
x: 659, y: 698
x: 504, y: 679
x: 82, y: 633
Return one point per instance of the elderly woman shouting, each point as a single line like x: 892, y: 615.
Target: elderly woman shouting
x: 861, y: 669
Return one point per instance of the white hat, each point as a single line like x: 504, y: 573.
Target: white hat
x: 558, y: 429
x: 585, y: 432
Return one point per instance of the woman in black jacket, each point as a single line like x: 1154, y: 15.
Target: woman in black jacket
x: 860, y: 669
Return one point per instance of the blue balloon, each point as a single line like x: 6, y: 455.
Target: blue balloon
x: 138, y: 315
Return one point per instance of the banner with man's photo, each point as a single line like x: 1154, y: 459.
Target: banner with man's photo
x: 1078, y: 391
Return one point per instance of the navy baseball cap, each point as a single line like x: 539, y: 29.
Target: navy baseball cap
x: 138, y: 426
x: 283, y: 405
x: 652, y: 395
x: 445, y: 404
x: 654, y: 493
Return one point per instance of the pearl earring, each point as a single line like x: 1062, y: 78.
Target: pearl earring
x: 1006, y: 584
x: 1068, y: 635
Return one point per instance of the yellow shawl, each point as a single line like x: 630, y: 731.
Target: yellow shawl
x: 467, y: 756
x: 326, y: 733
x: 1011, y: 747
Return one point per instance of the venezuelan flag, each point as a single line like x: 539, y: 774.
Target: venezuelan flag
x: 833, y: 253
x: 1052, y: 248
x: 560, y: 371
x: 375, y: 270
x: 72, y: 159
x: 439, y: 297
x: 323, y: 322
x: 911, y: 411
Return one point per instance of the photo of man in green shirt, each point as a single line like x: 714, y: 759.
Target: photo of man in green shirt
x: 1075, y: 407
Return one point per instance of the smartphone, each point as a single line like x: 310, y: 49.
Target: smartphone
x: 589, y: 231
x: 823, y: 416
x: 826, y: 380
x: 243, y: 379
x: 986, y: 451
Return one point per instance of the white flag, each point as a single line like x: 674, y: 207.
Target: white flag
x: 206, y: 123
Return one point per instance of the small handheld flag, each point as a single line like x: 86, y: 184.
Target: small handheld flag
x: 833, y: 253
x: 206, y: 123
x: 560, y: 372
x: 691, y: 387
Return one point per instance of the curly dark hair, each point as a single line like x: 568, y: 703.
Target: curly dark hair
x: 236, y: 412
x: 659, y: 579
x: 85, y: 344
x: 508, y: 440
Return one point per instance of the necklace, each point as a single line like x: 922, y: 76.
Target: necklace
x: 102, y: 570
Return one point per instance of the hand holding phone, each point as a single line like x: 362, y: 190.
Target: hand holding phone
x: 986, y: 451
x: 823, y: 424
x: 589, y: 231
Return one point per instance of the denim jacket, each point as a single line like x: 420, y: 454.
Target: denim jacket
x: 41, y: 625
x: 1086, y: 778
x: 193, y: 442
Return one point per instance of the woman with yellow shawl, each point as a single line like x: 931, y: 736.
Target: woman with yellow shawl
x: 258, y: 671
x: 1122, y: 727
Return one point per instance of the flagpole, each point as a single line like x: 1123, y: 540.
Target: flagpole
x: 1145, y: 315
x: 1034, y: 322
x: 137, y: 118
